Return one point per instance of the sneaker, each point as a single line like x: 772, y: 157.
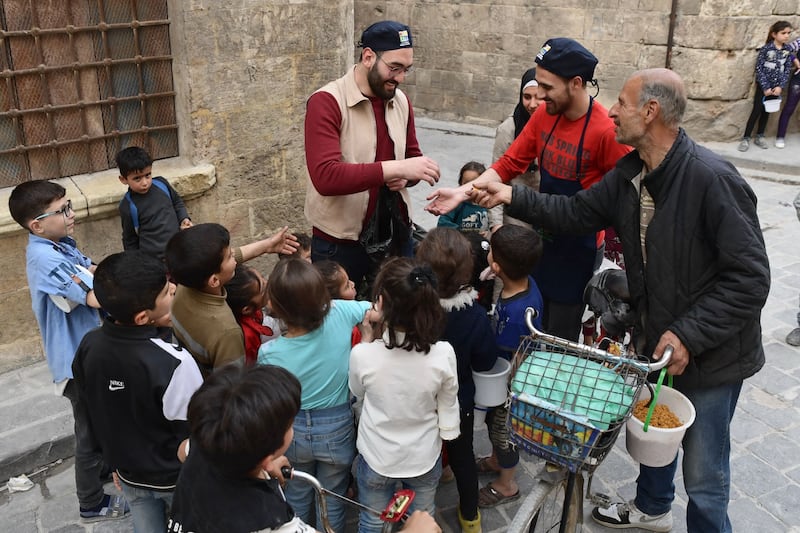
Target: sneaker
x: 469, y: 526
x: 626, y: 515
x: 760, y: 142
x: 112, y: 507
x: 780, y: 143
x: 793, y: 338
x: 744, y: 145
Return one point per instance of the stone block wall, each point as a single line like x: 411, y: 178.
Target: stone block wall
x: 242, y: 74
x: 470, y: 55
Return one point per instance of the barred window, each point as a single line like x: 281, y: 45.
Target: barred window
x: 81, y: 80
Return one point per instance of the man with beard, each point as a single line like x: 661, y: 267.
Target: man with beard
x: 698, y: 276
x: 361, y: 154
x: 573, y: 138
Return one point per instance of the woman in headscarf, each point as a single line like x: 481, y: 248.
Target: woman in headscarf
x: 505, y: 135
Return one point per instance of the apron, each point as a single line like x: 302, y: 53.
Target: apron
x: 567, y: 261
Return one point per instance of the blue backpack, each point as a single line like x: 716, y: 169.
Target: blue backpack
x: 135, y: 212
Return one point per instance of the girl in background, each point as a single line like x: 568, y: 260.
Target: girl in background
x: 467, y: 216
x: 315, y: 348
x: 773, y: 66
x: 246, y: 294
x: 468, y: 330
x: 406, y: 387
x: 792, y: 99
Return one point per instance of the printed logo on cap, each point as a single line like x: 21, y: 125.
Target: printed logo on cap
x: 543, y: 51
x: 403, y: 36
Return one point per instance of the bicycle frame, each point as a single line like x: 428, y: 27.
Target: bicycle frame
x: 395, y: 511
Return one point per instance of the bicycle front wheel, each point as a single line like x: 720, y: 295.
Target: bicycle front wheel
x: 543, y: 509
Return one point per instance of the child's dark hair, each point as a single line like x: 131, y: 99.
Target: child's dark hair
x: 30, y: 199
x: 242, y: 289
x: 516, y: 249
x: 777, y: 28
x: 303, y: 243
x: 410, y: 303
x: 196, y: 253
x: 128, y: 283
x: 449, y: 253
x: 480, y: 168
x: 133, y: 159
x: 332, y: 276
x: 297, y: 294
x: 240, y: 415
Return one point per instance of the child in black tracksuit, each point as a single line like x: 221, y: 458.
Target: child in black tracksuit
x: 136, y: 388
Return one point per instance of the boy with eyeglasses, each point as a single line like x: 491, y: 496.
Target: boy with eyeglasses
x: 54, y: 266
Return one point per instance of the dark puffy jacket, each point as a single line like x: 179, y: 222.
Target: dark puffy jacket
x: 707, y: 274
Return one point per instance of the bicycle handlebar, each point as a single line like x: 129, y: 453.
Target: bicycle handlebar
x: 531, y: 313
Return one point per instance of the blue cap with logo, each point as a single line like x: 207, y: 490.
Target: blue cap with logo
x: 386, y: 35
x: 567, y: 58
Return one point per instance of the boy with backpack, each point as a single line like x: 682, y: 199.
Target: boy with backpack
x: 151, y: 211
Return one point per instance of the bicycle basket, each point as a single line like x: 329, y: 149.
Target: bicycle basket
x: 566, y: 406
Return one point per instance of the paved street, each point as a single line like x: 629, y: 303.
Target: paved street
x: 35, y: 425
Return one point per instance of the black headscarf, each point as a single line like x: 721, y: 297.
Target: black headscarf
x: 521, y: 115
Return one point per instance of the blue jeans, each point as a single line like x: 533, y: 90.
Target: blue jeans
x: 324, y: 445
x: 706, y: 464
x: 149, y: 508
x: 375, y: 491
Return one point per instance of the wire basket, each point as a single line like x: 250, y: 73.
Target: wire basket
x: 568, y: 401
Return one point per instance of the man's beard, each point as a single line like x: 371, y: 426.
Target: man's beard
x: 377, y: 84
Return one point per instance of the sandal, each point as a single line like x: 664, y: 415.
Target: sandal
x: 483, y: 466
x: 488, y: 496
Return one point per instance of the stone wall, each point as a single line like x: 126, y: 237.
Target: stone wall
x: 471, y: 55
x: 242, y: 73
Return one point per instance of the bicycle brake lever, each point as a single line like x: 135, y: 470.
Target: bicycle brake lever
x: 286, y: 472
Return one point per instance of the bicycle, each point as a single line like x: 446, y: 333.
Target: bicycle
x: 394, y: 513
x: 567, y: 404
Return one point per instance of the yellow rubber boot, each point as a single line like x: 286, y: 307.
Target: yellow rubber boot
x: 470, y: 526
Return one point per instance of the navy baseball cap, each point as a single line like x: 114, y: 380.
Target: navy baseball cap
x: 386, y: 35
x: 567, y: 58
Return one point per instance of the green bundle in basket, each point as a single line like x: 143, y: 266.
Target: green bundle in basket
x: 578, y: 387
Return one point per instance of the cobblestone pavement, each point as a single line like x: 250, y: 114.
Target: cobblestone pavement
x: 765, y: 432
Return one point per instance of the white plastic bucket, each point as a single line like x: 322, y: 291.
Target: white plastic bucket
x: 658, y: 446
x: 491, y: 386
x: 772, y: 105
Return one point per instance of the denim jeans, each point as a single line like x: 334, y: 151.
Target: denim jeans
x: 324, y: 445
x: 149, y: 508
x: 375, y: 491
x: 706, y: 464
x: 88, y: 458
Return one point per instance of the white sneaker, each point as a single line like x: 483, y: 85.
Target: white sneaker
x: 626, y: 515
x: 780, y: 143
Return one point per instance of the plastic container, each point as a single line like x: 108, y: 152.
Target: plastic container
x: 772, y: 105
x: 491, y: 386
x: 658, y: 446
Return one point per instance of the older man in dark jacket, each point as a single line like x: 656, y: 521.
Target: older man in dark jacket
x: 698, y: 276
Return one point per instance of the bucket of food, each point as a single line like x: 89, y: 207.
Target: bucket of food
x: 657, y: 444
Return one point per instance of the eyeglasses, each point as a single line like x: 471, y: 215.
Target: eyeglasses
x: 63, y: 211
x: 395, y: 70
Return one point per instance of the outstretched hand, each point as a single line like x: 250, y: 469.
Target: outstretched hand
x: 282, y: 242
x: 445, y: 200
x: 493, y: 194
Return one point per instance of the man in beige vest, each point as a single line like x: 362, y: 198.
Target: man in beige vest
x: 361, y: 154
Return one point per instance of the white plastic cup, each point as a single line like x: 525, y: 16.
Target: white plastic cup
x: 491, y: 386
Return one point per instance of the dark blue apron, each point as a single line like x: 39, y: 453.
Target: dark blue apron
x: 567, y: 261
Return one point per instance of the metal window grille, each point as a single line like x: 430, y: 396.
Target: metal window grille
x: 81, y: 80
